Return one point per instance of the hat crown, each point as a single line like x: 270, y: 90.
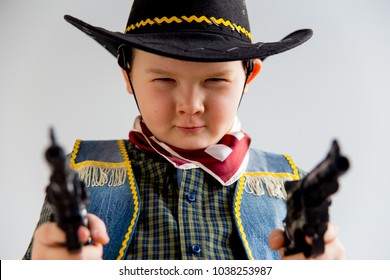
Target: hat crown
x: 227, y: 17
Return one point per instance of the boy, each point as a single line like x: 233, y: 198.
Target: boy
x: 186, y: 185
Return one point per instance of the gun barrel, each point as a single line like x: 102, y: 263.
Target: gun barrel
x: 55, y: 155
x: 333, y: 166
x: 341, y: 164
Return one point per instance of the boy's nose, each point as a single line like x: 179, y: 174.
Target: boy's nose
x: 190, y: 102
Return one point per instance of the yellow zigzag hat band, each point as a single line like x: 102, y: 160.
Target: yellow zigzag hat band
x: 174, y: 19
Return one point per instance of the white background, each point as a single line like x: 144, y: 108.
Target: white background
x: 335, y: 86
x: 208, y: 269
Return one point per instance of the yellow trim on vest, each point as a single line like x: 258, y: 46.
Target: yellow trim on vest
x: 293, y: 167
x: 190, y: 19
x: 237, y: 206
x: 133, y: 188
x: 76, y: 166
x: 75, y: 151
x: 294, y: 175
x: 270, y: 174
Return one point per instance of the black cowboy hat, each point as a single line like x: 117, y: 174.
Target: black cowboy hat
x: 194, y: 30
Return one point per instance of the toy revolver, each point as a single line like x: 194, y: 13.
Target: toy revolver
x: 308, y: 202
x: 67, y: 195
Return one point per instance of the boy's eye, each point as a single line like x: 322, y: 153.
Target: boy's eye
x: 164, y: 80
x: 215, y: 80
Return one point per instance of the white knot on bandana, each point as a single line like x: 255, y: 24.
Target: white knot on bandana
x: 226, y: 160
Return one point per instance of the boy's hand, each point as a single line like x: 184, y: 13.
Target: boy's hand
x: 334, y: 250
x: 49, y: 241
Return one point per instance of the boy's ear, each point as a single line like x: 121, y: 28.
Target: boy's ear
x: 257, y: 64
x: 126, y: 76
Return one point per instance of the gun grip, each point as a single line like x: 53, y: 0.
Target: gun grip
x: 312, y: 250
x: 72, y: 240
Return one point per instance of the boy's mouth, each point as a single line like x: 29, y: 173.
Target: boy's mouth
x: 191, y: 129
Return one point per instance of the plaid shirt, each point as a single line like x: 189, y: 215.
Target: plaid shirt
x: 190, y: 220
x: 184, y: 214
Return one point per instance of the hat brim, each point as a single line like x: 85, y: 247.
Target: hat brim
x: 191, y: 46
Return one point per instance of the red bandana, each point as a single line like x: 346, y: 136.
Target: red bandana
x: 226, y: 161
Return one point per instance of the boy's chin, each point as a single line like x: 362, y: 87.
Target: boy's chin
x: 190, y: 145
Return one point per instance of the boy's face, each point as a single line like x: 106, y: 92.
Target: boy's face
x: 189, y: 105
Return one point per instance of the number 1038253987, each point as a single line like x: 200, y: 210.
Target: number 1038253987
x: 242, y: 270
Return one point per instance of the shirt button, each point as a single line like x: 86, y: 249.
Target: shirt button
x: 196, y: 249
x: 191, y: 197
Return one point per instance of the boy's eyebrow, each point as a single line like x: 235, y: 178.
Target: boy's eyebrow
x: 217, y: 73
x: 157, y: 71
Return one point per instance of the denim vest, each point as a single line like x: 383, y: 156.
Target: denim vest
x: 258, y: 204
